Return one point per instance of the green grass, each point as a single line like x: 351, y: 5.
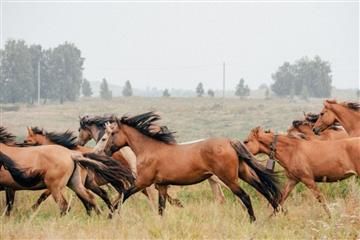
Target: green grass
x: 201, y: 218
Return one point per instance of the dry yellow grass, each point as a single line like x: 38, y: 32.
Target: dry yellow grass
x: 201, y: 218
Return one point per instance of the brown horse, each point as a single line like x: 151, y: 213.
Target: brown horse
x: 305, y: 127
x: 94, y: 127
x: 308, y: 161
x: 53, y: 167
x: 346, y: 113
x: 68, y: 140
x: 163, y: 162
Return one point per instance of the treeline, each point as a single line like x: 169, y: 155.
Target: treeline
x: 61, y: 72
x: 305, y: 78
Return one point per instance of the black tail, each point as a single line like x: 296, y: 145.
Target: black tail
x: 111, y: 171
x: 20, y: 175
x: 267, y: 183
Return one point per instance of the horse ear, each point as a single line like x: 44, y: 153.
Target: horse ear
x: 327, y: 104
x: 30, y: 131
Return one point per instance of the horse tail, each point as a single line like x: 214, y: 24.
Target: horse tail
x: 20, y: 175
x: 107, y: 169
x: 266, y: 182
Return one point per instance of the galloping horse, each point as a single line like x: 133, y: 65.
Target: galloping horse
x: 346, y: 113
x: 51, y: 167
x: 305, y: 127
x: 308, y: 161
x: 163, y: 162
x: 94, y: 128
x: 67, y: 139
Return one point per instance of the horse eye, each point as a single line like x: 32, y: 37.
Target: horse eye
x: 103, y: 139
x: 246, y: 141
x: 321, y: 114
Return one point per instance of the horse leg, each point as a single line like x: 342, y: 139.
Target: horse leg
x: 310, y: 183
x: 58, y: 196
x: 42, y: 198
x: 10, y: 196
x: 162, y: 198
x: 289, y: 186
x: 87, y: 197
x: 150, y: 192
x: 102, y: 194
x: 174, y: 201
x: 216, y: 189
x: 245, y: 198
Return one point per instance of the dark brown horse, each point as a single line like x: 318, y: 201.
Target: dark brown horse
x: 346, y: 113
x: 163, y: 162
x: 308, y: 161
x: 52, y: 167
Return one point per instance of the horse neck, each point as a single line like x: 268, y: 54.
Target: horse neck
x: 347, y: 118
x: 43, y: 140
x: 283, y: 146
x: 138, y: 142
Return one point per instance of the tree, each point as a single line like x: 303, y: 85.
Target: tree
x: 242, y: 90
x: 267, y: 93
x: 127, y: 90
x: 166, y: 93
x: 16, y: 72
x: 105, y: 93
x: 200, y: 90
x: 358, y: 93
x: 86, y: 88
x: 315, y: 74
x: 305, y: 93
x: 211, y: 93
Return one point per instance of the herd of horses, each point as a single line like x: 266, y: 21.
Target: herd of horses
x: 135, y: 154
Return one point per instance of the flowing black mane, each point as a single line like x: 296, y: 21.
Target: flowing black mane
x: 5, y: 136
x: 66, y: 139
x: 144, y: 123
x: 353, y: 106
x: 99, y: 121
x: 311, y: 117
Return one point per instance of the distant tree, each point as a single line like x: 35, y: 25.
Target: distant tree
x: 105, y: 93
x: 211, y: 93
x: 36, y: 58
x: 166, y: 93
x: 86, y: 88
x: 242, y: 90
x: 127, y: 90
x: 200, y: 90
x: 284, y: 78
x: 315, y: 74
x: 16, y: 79
x: 267, y: 93
x: 305, y: 93
x: 358, y: 93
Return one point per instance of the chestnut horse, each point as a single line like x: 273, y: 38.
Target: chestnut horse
x: 305, y: 127
x: 346, y: 113
x: 163, y: 162
x: 67, y: 139
x: 94, y: 127
x: 308, y: 161
x: 52, y: 167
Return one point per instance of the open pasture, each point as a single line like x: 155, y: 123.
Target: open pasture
x: 191, y: 118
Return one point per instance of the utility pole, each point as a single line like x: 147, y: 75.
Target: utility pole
x: 38, y: 87
x: 223, y: 79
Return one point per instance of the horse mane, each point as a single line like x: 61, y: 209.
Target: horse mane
x: 353, y: 106
x: 5, y: 136
x: 311, y: 117
x: 99, y: 121
x: 66, y: 139
x: 37, y: 130
x: 144, y: 123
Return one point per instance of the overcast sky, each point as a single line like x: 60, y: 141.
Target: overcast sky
x: 177, y: 45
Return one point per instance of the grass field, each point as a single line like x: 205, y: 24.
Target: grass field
x: 201, y: 218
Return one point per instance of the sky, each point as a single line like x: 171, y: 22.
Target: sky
x: 178, y: 44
